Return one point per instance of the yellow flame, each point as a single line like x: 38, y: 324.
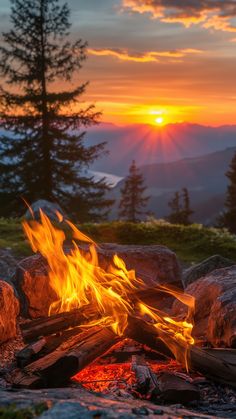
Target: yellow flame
x: 79, y: 281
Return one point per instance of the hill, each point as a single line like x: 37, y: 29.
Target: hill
x: 150, y: 145
x: 204, y: 176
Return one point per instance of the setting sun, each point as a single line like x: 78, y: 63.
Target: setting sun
x: 159, y: 120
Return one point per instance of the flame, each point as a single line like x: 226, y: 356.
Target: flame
x: 79, y: 281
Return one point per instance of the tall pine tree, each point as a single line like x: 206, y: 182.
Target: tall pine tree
x: 175, y: 216
x: 187, y: 211
x: 180, y: 208
x: 42, y: 151
x: 228, y: 219
x: 133, y: 201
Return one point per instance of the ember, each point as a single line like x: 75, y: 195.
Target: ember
x: 100, y: 378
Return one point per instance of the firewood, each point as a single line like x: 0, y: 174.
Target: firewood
x: 146, y: 380
x: 228, y: 354
x: 56, y: 368
x: 49, y: 325
x: 215, y: 367
x: 175, y: 389
x: 52, y: 324
x: 43, y: 346
x: 29, y: 352
x: 143, y: 332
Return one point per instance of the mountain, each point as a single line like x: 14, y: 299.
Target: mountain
x: 148, y: 144
x: 204, y: 176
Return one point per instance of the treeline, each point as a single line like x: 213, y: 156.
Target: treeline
x: 134, y: 201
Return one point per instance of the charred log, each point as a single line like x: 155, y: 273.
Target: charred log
x: 56, y: 323
x: 175, y: 389
x: 56, y: 368
x: 46, y: 326
x: 146, y: 380
x: 216, y: 367
x: 44, y: 346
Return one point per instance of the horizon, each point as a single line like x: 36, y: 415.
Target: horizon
x: 153, y: 64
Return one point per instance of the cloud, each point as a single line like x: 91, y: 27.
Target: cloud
x: 217, y: 14
x: 146, y: 57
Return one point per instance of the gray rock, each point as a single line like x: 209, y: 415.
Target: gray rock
x: 8, y: 264
x: 70, y: 403
x: 49, y: 208
x: 204, y: 268
x: 72, y: 410
x: 215, y: 312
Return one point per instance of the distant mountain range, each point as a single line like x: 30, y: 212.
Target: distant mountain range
x: 150, y: 145
x: 204, y: 176
x: 170, y: 158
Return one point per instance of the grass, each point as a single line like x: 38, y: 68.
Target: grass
x: 191, y: 243
x: 12, y: 412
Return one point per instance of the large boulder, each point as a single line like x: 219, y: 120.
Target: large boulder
x: 154, y: 264
x: 204, y: 268
x: 9, y: 310
x: 49, y: 208
x: 215, y: 313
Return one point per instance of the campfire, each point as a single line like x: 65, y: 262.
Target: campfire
x: 98, y: 309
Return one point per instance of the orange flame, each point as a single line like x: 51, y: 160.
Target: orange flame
x: 79, y: 281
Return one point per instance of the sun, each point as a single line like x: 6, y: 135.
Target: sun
x: 159, y: 120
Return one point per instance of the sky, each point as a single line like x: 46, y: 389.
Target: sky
x: 157, y: 61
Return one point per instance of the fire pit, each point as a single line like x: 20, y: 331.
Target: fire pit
x: 103, y: 334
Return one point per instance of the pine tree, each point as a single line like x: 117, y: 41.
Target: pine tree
x: 42, y: 151
x: 180, y: 208
x: 175, y: 217
x: 228, y: 219
x: 187, y: 211
x: 133, y: 201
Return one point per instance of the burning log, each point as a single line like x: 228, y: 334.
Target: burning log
x: 220, y: 368
x: 56, y: 368
x: 56, y: 323
x: 142, y: 332
x: 146, y: 380
x: 46, y: 326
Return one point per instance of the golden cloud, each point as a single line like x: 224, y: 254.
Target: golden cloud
x: 149, y: 56
x: 215, y: 14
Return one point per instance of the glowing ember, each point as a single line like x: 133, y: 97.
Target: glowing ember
x: 103, y: 377
x: 79, y: 281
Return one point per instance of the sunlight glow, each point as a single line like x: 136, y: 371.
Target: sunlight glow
x: 159, y: 120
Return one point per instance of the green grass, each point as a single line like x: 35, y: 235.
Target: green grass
x: 191, y: 243
x: 12, y: 412
x: 12, y: 236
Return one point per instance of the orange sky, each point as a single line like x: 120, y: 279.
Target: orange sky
x: 171, y: 60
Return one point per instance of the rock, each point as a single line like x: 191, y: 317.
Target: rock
x: 77, y: 403
x: 204, y: 268
x: 49, y: 208
x: 8, y: 264
x: 9, y: 310
x: 155, y: 264
x: 215, y: 313
x: 32, y: 284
